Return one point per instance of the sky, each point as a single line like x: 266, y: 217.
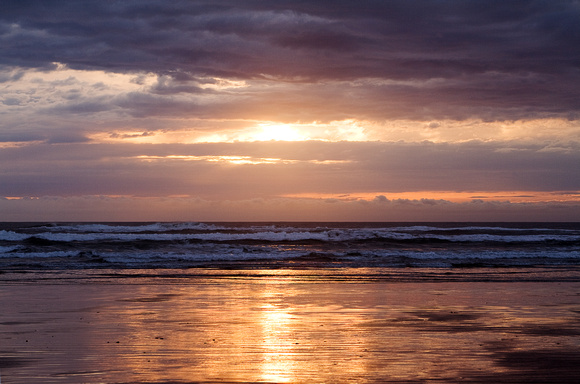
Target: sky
x: 289, y: 110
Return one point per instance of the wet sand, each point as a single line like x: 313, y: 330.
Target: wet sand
x: 278, y: 327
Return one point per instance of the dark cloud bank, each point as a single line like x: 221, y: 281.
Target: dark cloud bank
x: 487, y: 59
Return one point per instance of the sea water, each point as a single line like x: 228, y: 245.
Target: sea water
x: 178, y: 245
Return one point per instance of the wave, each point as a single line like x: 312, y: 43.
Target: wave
x: 127, y: 228
x: 186, y: 245
x: 288, y: 236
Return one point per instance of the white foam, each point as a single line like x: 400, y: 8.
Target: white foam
x: 5, y: 250
x: 423, y: 228
x: 12, y: 236
x: 123, y: 233
x: 278, y: 235
x: 151, y: 227
x: 507, y: 238
x: 41, y: 254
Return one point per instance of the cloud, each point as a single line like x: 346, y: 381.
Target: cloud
x: 116, y: 98
x: 489, y: 60
x: 103, y: 208
x: 207, y: 170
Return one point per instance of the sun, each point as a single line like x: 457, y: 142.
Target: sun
x: 278, y: 132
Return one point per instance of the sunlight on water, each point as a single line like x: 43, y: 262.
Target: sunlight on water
x: 280, y: 329
x: 277, y: 361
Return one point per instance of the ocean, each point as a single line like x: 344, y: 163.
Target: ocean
x: 396, y: 250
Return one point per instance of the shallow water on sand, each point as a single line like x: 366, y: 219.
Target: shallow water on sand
x: 287, y: 328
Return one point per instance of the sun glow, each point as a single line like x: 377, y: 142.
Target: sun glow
x: 344, y: 130
x: 238, y: 131
x: 217, y: 159
x: 279, y: 132
x: 238, y: 160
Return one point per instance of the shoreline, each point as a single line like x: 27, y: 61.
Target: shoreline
x: 309, y: 272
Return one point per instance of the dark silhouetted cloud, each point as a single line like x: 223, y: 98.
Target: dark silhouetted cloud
x: 483, y: 54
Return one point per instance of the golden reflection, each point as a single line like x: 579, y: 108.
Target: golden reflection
x: 283, y: 327
x: 277, y: 365
x: 268, y: 331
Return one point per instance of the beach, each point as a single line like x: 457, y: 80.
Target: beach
x: 196, y: 302
x: 284, y: 326
x: 289, y: 192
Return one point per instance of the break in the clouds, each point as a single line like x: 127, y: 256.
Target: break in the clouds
x: 157, y: 99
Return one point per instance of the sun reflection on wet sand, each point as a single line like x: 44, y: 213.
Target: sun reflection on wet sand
x: 288, y: 329
x: 277, y: 365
